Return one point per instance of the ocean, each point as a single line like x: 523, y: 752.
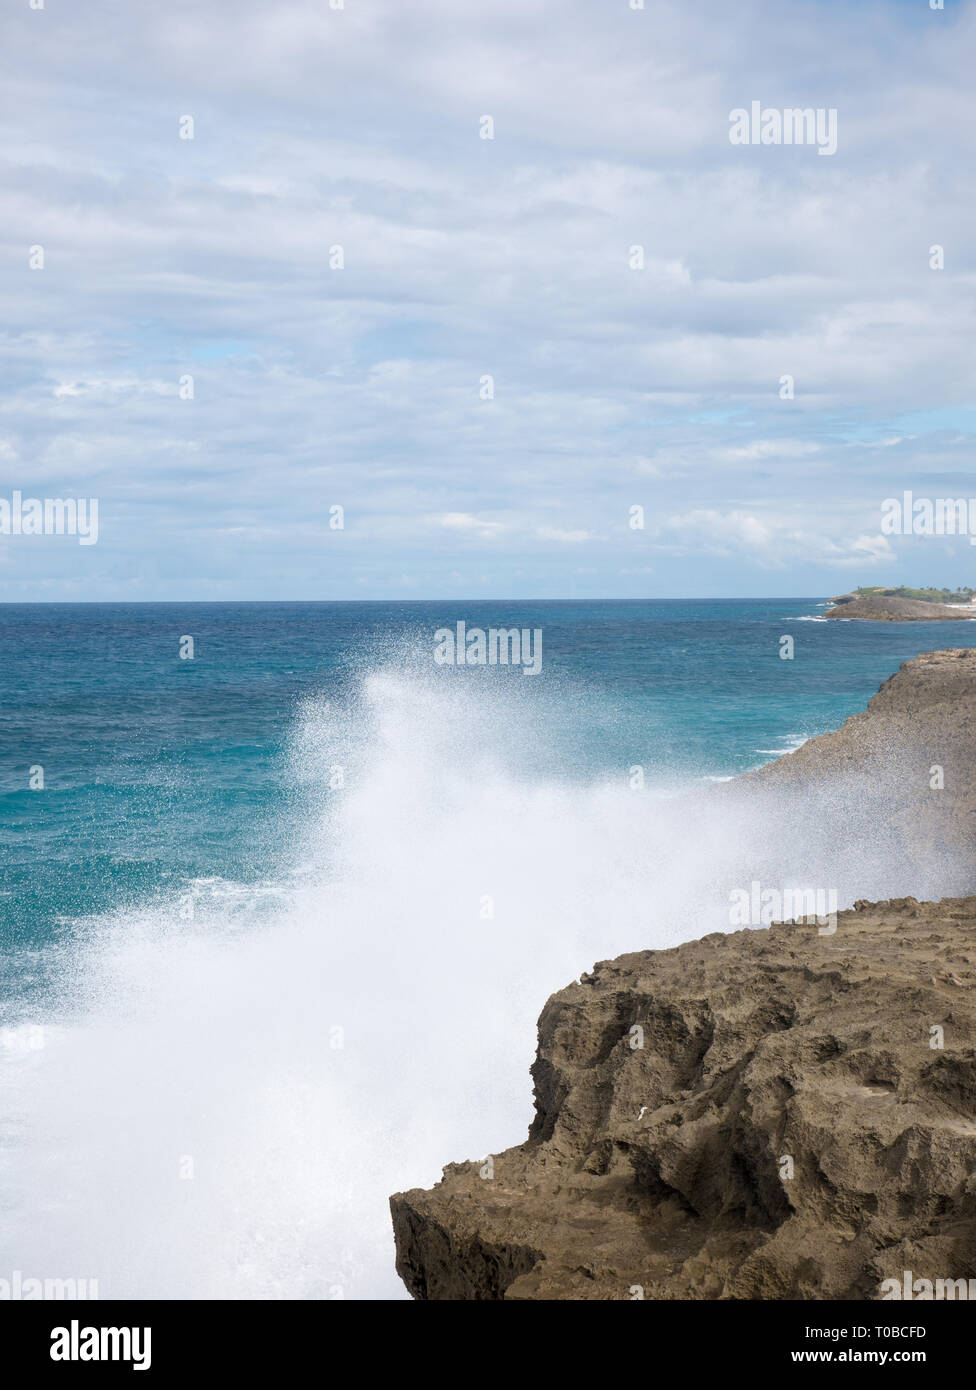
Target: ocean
x: 278, y: 918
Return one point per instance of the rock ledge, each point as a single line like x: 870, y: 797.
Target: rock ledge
x: 761, y: 1115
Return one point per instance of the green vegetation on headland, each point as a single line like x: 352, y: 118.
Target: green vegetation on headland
x: 895, y: 606
x: 926, y: 595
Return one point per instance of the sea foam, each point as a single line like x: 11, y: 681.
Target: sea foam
x: 224, y: 1101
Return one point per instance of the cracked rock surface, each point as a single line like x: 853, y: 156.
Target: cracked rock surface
x: 761, y: 1115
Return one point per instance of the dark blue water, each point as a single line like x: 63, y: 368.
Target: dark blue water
x: 159, y: 770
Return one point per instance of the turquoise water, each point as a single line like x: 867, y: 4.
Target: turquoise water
x: 159, y: 770
x: 277, y: 929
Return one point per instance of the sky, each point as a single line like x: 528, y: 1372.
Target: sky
x: 487, y: 385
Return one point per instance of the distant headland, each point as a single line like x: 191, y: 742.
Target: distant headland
x: 904, y: 605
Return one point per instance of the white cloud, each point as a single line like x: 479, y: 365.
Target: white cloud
x: 464, y: 521
x: 555, y: 533
x: 872, y: 548
x: 772, y: 542
x: 464, y: 257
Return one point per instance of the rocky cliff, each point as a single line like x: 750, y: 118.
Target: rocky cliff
x: 765, y: 1114
x: 900, y: 772
x: 758, y: 1115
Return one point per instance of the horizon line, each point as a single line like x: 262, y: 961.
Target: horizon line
x: 677, y: 598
